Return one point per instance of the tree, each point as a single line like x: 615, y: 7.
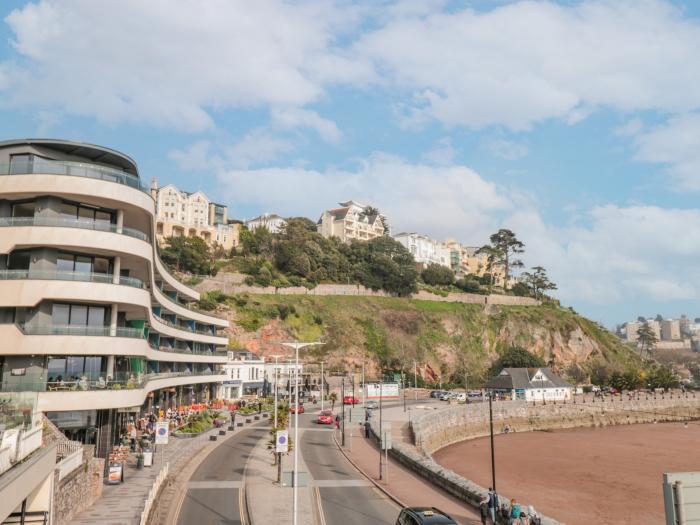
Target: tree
x: 383, y: 263
x: 333, y: 398
x: 521, y: 289
x: 469, y: 284
x: 438, y: 275
x: 538, y: 281
x: 502, y: 250
x: 188, y: 254
x: 516, y: 357
x: 646, y: 338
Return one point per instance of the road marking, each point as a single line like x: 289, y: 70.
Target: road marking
x: 331, y: 483
x: 319, y: 505
x: 241, y: 504
x: 224, y: 484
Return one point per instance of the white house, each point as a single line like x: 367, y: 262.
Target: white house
x: 424, y: 249
x: 245, y: 374
x: 530, y: 384
x: 272, y: 222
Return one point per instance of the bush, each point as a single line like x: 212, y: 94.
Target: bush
x: 437, y: 275
x: 521, y: 290
x: 516, y: 357
x: 468, y: 285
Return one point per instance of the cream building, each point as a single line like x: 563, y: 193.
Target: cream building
x: 466, y: 260
x: 350, y: 222
x: 424, y: 249
x: 273, y: 223
x: 181, y: 213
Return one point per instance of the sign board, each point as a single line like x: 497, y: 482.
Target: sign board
x: 386, y: 436
x: 282, y: 441
x: 682, y: 498
x: 129, y: 410
x: 115, y: 475
x: 383, y: 390
x: 162, y: 433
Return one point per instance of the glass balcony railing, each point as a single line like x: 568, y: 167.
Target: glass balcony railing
x: 91, y: 331
x: 65, y: 222
x: 50, y: 275
x: 74, y: 169
x: 184, y: 327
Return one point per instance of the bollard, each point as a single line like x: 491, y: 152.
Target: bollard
x: 239, y: 424
x: 222, y: 432
x: 212, y: 438
x: 231, y: 428
x: 248, y: 420
x: 256, y: 418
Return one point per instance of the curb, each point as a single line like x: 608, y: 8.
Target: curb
x: 357, y: 467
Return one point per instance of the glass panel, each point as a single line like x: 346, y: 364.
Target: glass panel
x: 78, y: 315
x: 93, y: 366
x: 74, y: 367
x: 60, y: 314
x: 103, y: 216
x: 23, y: 209
x: 18, y: 260
x: 57, y: 369
x: 83, y: 264
x: 101, y: 265
x: 20, y: 163
x: 68, y: 210
x: 86, y: 214
x: 65, y: 262
x: 96, y: 316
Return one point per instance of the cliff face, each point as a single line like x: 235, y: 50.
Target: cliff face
x: 444, y: 339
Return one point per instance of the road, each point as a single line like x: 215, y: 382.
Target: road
x: 214, y: 492
x: 347, y: 498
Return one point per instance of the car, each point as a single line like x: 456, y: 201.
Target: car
x: 446, y: 396
x: 436, y: 393
x: 351, y: 400
x: 461, y: 397
x: 424, y: 516
x: 325, y: 417
x: 371, y: 404
x: 292, y: 409
x: 474, y: 394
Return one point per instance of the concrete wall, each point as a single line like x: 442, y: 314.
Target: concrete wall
x: 80, y: 489
x: 234, y: 283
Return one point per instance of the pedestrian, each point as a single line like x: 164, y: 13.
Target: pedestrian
x: 515, y: 512
x: 534, y: 517
x: 492, y: 504
x: 367, y: 429
x: 484, y: 510
x: 337, y: 422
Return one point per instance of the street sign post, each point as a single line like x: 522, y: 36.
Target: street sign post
x: 385, y: 445
x: 282, y: 441
x: 162, y: 432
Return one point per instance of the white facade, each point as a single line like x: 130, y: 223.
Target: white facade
x: 351, y: 222
x: 424, y: 249
x: 245, y: 375
x: 273, y: 223
x: 190, y: 209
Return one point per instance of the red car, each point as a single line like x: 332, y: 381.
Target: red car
x: 325, y: 417
x: 292, y: 409
x: 350, y: 400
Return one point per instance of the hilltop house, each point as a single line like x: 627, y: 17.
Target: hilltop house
x: 530, y: 384
x: 351, y: 221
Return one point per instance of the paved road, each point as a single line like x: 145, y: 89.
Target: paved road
x: 214, y: 495
x: 347, y: 498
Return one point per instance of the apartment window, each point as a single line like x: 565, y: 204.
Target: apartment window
x: 82, y: 212
x: 79, y: 315
x: 70, y: 262
x: 21, y: 163
x: 23, y: 209
x: 19, y: 260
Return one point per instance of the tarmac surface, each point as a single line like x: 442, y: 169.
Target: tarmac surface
x: 608, y: 475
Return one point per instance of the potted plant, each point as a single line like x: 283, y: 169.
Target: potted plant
x: 139, y: 460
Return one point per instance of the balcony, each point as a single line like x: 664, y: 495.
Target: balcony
x: 61, y: 222
x: 74, y: 169
x: 91, y: 331
x: 52, y: 275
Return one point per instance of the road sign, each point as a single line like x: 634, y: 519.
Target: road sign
x: 162, y: 433
x: 386, y: 435
x: 282, y: 441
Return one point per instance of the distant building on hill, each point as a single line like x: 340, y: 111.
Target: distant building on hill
x: 273, y: 223
x: 530, y: 384
x: 351, y: 221
x: 424, y: 249
x: 192, y: 214
x: 466, y: 260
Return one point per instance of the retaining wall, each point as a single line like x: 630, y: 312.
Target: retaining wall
x: 79, y: 489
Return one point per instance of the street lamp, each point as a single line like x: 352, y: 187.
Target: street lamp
x: 296, y: 346
x: 276, y: 357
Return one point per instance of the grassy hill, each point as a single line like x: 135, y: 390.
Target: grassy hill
x: 445, y: 339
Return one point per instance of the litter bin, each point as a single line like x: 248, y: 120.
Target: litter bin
x: 147, y: 458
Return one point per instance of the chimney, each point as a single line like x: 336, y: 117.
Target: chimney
x: 154, y: 188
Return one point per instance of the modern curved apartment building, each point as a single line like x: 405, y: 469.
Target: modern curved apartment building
x: 90, y: 318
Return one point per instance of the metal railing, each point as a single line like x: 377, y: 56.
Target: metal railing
x: 65, y: 222
x: 53, y: 275
x: 73, y: 169
x: 91, y: 331
x: 184, y: 327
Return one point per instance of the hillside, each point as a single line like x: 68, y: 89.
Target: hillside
x: 444, y: 338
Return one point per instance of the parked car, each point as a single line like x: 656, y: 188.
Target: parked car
x: 424, y: 516
x: 350, y: 400
x: 446, y: 396
x: 475, y: 394
x: 436, y: 393
x: 461, y: 397
x: 292, y: 409
x: 371, y: 404
x: 325, y: 417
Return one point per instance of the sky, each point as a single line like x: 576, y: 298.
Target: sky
x: 575, y: 123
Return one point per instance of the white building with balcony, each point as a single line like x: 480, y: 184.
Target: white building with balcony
x: 245, y: 373
x: 424, y: 249
x: 90, y: 318
x: 273, y: 223
x: 351, y: 221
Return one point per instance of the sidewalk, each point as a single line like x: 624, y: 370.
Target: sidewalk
x: 123, y: 504
x: 409, y: 488
x: 271, y: 503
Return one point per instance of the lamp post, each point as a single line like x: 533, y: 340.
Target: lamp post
x: 342, y: 400
x: 296, y: 346
x: 415, y: 381
x: 275, y: 357
x: 321, y: 386
x: 363, y: 382
x: 493, y: 454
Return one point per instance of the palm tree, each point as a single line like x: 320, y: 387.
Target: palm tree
x: 333, y: 397
x: 647, y: 339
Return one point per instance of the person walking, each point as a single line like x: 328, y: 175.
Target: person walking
x: 484, y: 510
x: 515, y: 512
x: 492, y: 504
x: 337, y: 422
x: 367, y: 429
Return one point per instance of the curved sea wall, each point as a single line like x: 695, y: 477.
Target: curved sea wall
x: 438, y: 429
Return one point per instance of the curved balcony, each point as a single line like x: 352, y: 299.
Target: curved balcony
x: 61, y: 222
x: 185, y: 310
x: 72, y: 169
x: 51, y: 275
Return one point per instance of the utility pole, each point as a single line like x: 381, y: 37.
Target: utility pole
x: 363, y: 381
x: 403, y: 387
x: 295, y: 478
x: 276, y: 357
x: 415, y: 381
x: 493, y: 455
x: 321, y: 386
x: 352, y: 406
x: 381, y: 395
x: 342, y: 400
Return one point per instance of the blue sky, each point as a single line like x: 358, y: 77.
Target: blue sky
x: 574, y: 123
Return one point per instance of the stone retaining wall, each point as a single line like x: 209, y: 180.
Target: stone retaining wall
x: 79, y: 490
x: 232, y: 283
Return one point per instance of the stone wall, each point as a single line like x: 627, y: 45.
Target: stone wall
x: 79, y: 489
x: 435, y: 430
x: 233, y: 283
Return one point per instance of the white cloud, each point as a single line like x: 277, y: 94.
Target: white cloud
x: 526, y: 62
x: 171, y: 63
x: 442, y: 154
x: 677, y: 145
x: 506, y: 149
x: 290, y: 118
x: 258, y: 146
